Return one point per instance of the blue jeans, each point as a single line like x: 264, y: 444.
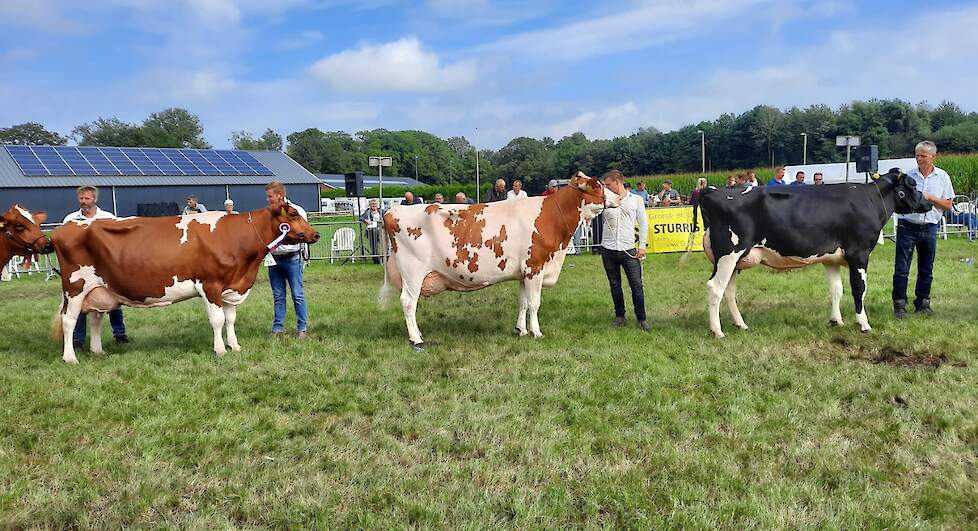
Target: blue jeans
x: 912, y: 236
x: 115, y: 319
x: 967, y: 219
x: 288, y: 269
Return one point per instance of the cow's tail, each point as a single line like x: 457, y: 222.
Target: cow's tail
x: 57, y: 331
x: 684, y: 260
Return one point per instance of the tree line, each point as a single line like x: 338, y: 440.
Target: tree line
x: 764, y: 136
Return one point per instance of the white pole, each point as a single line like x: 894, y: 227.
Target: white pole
x: 804, y: 149
x: 115, y: 207
x: 848, y: 149
x: 477, y: 198
x: 380, y: 167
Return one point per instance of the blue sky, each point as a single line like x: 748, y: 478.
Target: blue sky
x: 489, y: 71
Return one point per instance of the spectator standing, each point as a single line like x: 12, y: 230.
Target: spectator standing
x: 642, y: 192
x: 517, y: 191
x: 373, y: 221
x: 694, y: 196
x: 497, y: 192
x: 668, y: 196
x: 193, y: 206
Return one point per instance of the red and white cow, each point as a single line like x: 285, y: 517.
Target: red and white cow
x: 150, y: 262
x: 468, y: 247
x: 20, y: 234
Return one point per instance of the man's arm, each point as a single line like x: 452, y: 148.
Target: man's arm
x: 643, y: 231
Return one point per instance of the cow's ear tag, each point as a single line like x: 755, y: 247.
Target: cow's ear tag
x: 283, y: 211
x: 875, y: 175
x: 1, y: 224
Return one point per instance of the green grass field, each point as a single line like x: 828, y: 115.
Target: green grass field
x: 791, y: 424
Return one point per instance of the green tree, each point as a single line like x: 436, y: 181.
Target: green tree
x: 108, y: 132
x: 269, y: 141
x: 527, y: 159
x: 30, y: 133
x: 174, y: 127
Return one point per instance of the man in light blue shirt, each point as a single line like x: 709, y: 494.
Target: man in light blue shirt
x: 919, y: 231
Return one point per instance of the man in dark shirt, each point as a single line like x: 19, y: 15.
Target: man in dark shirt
x: 497, y: 193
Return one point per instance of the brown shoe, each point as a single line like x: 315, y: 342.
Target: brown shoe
x: 278, y: 335
x: 301, y: 334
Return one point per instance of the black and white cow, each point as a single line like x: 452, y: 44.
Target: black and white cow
x: 790, y: 227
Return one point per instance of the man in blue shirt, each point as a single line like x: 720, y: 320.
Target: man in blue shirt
x: 778, y: 179
x: 642, y: 192
x: 919, y: 231
x: 799, y: 179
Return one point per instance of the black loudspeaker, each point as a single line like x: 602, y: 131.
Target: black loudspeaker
x: 354, y: 184
x: 867, y: 158
x: 154, y: 210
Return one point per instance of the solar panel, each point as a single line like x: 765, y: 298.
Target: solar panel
x: 38, y: 161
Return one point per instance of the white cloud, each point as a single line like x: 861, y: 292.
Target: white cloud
x: 216, y: 10
x: 300, y: 40
x: 602, y: 123
x: 41, y: 15
x: 644, y: 26
x: 401, y: 65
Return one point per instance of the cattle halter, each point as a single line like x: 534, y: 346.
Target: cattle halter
x: 283, y: 228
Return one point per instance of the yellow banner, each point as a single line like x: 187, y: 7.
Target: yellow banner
x: 669, y: 229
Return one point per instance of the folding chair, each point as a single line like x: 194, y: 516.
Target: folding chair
x: 342, y: 241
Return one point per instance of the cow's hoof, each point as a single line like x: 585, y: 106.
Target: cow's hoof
x: 235, y: 348
x: 219, y: 353
x: 537, y: 335
x: 833, y: 322
x: 418, y: 347
x: 70, y: 361
x: 742, y: 326
x: 718, y: 335
x: 520, y: 332
x: 99, y: 351
x: 866, y: 330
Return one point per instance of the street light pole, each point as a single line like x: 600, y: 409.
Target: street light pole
x: 477, y: 198
x: 415, y: 167
x: 702, y: 148
x: 804, y: 149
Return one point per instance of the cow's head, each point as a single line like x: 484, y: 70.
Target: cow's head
x: 595, y: 196
x: 906, y: 198
x: 22, y: 230
x: 300, y: 231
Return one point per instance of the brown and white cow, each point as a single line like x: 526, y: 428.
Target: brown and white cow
x: 21, y: 235
x: 468, y: 247
x: 150, y: 262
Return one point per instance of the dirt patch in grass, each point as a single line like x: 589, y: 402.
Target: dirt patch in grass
x: 897, y: 356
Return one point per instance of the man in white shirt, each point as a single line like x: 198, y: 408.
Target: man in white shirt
x: 286, y: 267
x: 517, y: 191
x: 919, y: 231
x: 87, y: 199
x: 618, y: 248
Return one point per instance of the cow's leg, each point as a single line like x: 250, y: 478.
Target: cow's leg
x: 410, y: 292
x: 230, y: 313
x: 717, y: 285
x: 95, y: 332
x: 857, y: 279
x: 731, y: 295
x: 521, y: 317
x: 834, y: 276
x: 215, y: 314
x: 68, y: 320
x: 534, y: 287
